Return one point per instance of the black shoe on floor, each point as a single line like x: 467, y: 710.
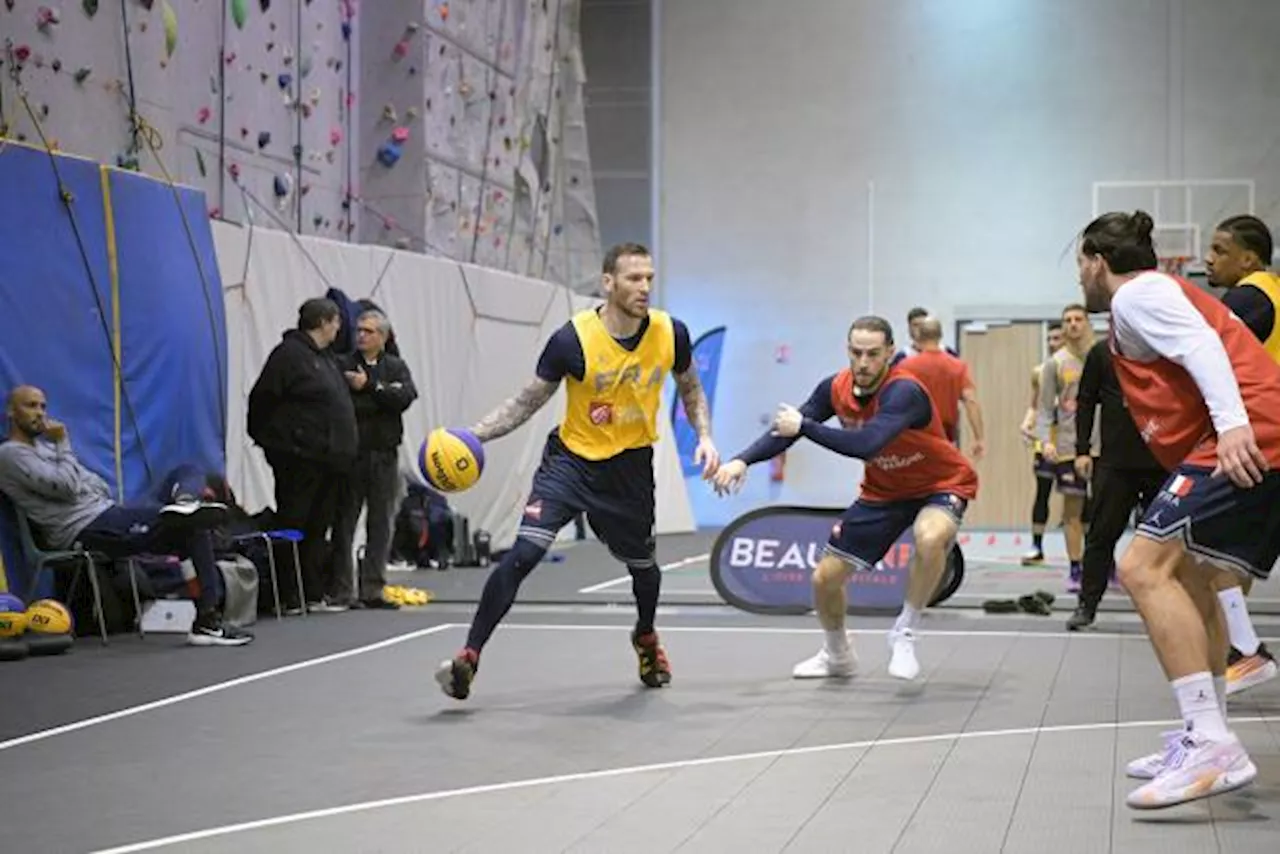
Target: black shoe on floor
x: 210, y: 630
x: 1082, y: 618
x: 375, y: 604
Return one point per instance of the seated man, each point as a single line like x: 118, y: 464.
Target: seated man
x: 68, y: 504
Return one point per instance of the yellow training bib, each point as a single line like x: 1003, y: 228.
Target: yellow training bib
x: 1269, y: 284
x: 614, y: 408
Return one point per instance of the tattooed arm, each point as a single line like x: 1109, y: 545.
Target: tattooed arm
x: 694, y: 399
x: 515, y: 411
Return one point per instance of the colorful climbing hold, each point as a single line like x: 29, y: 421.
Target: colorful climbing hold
x: 239, y: 13
x: 170, y: 28
x: 90, y: 7
x: 304, y: 65
x: 203, y: 115
x: 389, y: 154
x: 400, y: 134
x: 264, y: 139
x: 46, y: 18
x: 284, y: 80
x: 335, y: 136
x: 56, y: 65
x: 265, y: 4
x: 282, y: 185
x: 234, y: 171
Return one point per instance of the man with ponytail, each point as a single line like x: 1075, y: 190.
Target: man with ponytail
x: 1200, y: 387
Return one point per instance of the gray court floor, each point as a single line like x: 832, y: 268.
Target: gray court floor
x: 329, y: 735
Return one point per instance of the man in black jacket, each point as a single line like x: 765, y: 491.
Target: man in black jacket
x: 382, y: 389
x: 1127, y: 476
x: 300, y: 413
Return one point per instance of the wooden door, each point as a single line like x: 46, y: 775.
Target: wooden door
x: 1001, y: 357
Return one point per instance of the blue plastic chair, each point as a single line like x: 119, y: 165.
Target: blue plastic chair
x: 269, y: 538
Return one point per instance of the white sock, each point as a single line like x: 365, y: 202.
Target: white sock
x: 837, y: 642
x: 1220, y: 686
x: 1198, y: 701
x: 909, y: 618
x: 1239, y: 626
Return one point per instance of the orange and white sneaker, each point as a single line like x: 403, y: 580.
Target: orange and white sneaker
x: 1197, y: 767
x: 1250, y: 671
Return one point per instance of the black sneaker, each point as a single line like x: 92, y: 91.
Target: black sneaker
x: 655, y: 670
x: 456, y: 675
x: 1082, y: 618
x: 210, y: 630
x: 375, y: 603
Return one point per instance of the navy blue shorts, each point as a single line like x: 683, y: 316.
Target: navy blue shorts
x: 1044, y: 467
x: 1233, y: 528
x: 1066, y: 479
x: 617, y: 496
x: 867, y: 530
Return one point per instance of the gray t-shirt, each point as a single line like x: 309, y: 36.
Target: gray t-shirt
x: 58, y: 494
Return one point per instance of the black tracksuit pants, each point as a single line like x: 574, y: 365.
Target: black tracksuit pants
x: 1116, y: 492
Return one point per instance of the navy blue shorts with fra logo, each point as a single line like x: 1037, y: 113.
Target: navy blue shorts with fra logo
x: 617, y: 496
x: 1234, y: 528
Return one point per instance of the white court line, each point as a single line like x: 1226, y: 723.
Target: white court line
x: 218, y: 686
x: 815, y: 630
x: 675, y: 765
x: 605, y: 585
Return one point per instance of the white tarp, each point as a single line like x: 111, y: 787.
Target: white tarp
x: 471, y: 337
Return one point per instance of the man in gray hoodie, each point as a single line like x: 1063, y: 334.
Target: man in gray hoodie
x: 67, y: 503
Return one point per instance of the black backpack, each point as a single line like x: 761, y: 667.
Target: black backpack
x: 411, y: 540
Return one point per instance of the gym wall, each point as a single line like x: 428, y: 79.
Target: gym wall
x: 983, y: 127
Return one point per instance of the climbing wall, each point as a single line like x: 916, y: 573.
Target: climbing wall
x: 247, y: 100
x: 474, y: 137
x: 453, y: 128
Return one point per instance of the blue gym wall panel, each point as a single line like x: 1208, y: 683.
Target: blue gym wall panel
x: 55, y: 304
x: 173, y: 331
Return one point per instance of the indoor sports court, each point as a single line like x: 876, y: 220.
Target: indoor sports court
x: 328, y: 734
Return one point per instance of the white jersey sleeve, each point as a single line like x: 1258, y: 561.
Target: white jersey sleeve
x: 1152, y: 318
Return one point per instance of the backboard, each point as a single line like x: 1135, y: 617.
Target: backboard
x: 1185, y: 212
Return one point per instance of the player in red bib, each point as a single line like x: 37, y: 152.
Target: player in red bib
x: 915, y: 478
x: 1202, y: 391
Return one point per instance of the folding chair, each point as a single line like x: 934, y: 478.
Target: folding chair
x: 269, y: 538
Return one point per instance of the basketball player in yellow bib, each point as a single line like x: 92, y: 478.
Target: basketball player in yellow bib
x: 614, y: 361
x: 1238, y: 258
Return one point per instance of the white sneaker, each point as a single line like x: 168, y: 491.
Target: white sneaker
x: 827, y: 665
x: 1149, y: 767
x: 1198, y: 768
x: 903, y: 663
